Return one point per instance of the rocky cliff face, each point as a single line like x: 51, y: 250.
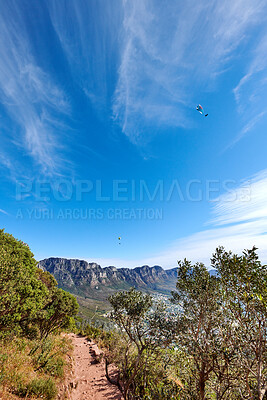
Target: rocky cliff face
x: 78, y: 274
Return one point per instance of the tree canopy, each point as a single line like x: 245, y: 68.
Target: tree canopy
x: 213, y: 346
x: 30, y: 300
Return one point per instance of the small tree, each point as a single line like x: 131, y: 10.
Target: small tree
x: 244, y: 293
x: 199, y: 322
x: 22, y: 294
x: 30, y: 301
x: 143, y: 337
x: 57, y: 313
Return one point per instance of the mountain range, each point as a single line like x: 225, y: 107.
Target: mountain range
x: 92, y: 284
x: 83, y: 278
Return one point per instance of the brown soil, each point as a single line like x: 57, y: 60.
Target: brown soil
x: 88, y: 376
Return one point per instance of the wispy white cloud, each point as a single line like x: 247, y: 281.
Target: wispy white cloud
x: 257, y: 64
x: 200, y: 246
x: 247, y: 202
x: 28, y: 93
x: 3, y: 212
x: 87, y: 32
x: 168, y: 55
x: 250, y: 93
x: 239, y: 222
x: 169, y: 52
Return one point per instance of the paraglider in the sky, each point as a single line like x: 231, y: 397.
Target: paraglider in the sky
x: 119, y: 238
x: 199, y: 108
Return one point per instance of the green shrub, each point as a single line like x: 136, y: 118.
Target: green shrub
x: 48, y: 355
x: 55, y: 367
x: 30, y: 301
x: 42, y: 387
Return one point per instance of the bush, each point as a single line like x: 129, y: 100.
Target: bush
x: 49, y: 355
x: 34, y: 374
x: 43, y: 387
x: 22, y: 294
x: 30, y: 301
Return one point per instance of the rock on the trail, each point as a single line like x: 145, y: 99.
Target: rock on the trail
x: 98, y: 354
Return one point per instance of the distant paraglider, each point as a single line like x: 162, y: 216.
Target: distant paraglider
x: 119, y: 239
x: 199, y: 108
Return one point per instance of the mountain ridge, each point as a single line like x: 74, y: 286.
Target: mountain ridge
x: 81, y: 276
x: 92, y: 284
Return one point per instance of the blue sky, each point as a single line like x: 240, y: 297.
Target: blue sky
x: 100, y: 137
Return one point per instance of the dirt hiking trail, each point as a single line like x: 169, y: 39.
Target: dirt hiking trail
x: 88, y: 377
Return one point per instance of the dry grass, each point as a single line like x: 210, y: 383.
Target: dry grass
x: 33, y: 370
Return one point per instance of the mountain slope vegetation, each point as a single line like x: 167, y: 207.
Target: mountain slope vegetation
x: 33, y: 311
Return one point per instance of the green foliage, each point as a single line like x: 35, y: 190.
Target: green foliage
x: 22, y: 294
x: 30, y: 301
x: 32, y: 307
x: 215, y: 347
x: 199, y: 324
x: 223, y: 327
x: 97, y: 334
x: 244, y: 301
x: 141, y: 344
x: 129, y: 311
x: 57, y: 313
x: 48, y: 355
x: 26, y: 374
x: 41, y: 387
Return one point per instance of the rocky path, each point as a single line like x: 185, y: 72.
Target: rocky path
x: 89, y: 381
